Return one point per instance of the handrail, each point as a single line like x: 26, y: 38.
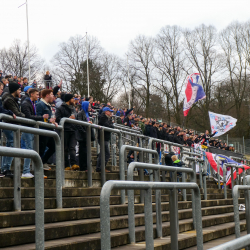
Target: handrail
x: 126, y: 128
x: 235, y: 244
x: 147, y: 187
x: 39, y: 188
x: 231, y: 165
x: 156, y: 169
x: 102, y: 145
x: 36, y: 131
x: 122, y: 163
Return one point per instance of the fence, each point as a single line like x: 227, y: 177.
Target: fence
x: 39, y: 188
x: 148, y: 186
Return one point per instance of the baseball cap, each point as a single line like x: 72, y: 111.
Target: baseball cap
x: 107, y: 109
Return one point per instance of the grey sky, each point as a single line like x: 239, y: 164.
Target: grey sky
x: 114, y: 22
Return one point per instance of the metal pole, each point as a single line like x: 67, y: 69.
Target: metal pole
x: 28, y: 40
x: 225, y: 181
x: 17, y: 177
x: 128, y: 85
x: 232, y: 179
x: 173, y: 212
x: 102, y: 146
x: 87, y: 62
x: 218, y: 173
x: 148, y: 220
x: 89, y: 165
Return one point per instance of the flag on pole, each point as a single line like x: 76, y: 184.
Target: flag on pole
x: 193, y: 93
x: 213, y: 158
x: 221, y: 123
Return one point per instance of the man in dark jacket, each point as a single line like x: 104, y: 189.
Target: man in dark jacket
x: 28, y: 107
x: 10, y: 102
x: 105, y: 120
x: 127, y: 120
x: 69, y: 132
x: 43, y: 107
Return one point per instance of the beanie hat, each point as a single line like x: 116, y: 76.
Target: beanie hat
x: 62, y: 96
x: 68, y: 97
x: 26, y: 88
x: 13, y: 86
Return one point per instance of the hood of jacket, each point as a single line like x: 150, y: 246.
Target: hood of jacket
x: 85, y: 107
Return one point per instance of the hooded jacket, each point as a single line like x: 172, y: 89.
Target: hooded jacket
x: 85, y: 108
x: 65, y: 111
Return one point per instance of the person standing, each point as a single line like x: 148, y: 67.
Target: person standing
x: 48, y: 80
x: 44, y: 107
x: 66, y: 110
x: 106, y: 121
x: 81, y: 136
x: 10, y: 102
x: 28, y: 107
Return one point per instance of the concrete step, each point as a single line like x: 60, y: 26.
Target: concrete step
x: 23, y: 218
x: 50, y: 203
x: 221, y: 224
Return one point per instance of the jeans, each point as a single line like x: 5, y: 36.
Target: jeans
x: 107, y: 155
x: 9, y: 143
x: 29, y: 142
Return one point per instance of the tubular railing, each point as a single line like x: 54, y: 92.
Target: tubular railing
x: 39, y: 188
x: 119, y: 126
x: 147, y: 187
x: 235, y: 244
x: 156, y: 168
x: 17, y: 179
x: 123, y: 162
x: 203, y: 180
x: 231, y: 165
x: 102, y: 145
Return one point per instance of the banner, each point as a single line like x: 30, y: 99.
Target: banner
x: 213, y: 158
x: 221, y: 123
x: 193, y: 93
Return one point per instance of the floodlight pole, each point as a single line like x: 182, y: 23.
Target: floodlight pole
x: 87, y: 62
x: 128, y: 85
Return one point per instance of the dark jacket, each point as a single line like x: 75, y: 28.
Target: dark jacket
x: 65, y: 111
x: 126, y: 120
x: 55, y: 90
x: 27, y: 109
x: 118, y: 120
x: 11, y: 103
x: 128, y: 111
x: 24, y: 97
x: 153, y: 132
x: 106, y: 122
x: 81, y: 130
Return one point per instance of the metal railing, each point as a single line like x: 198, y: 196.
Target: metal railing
x: 122, y: 127
x: 122, y: 164
x: 156, y: 168
x: 102, y: 145
x: 231, y: 165
x: 17, y: 178
x: 39, y: 188
x: 147, y: 187
x: 246, y: 189
x: 235, y: 244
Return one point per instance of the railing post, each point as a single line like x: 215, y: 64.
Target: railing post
x: 150, y: 143
x: 17, y: 177
x: 141, y: 176
x: 225, y: 181
x: 218, y: 173
x: 62, y: 154
x: 89, y: 165
x: 102, y: 146
x: 148, y: 220
x: 158, y: 206
x: 183, y: 178
x: 173, y: 212
x: 204, y: 180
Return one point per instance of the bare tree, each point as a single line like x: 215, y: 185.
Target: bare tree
x: 234, y: 42
x: 170, y: 63
x: 15, y: 60
x: 141, y: 52
x: 68, y: 61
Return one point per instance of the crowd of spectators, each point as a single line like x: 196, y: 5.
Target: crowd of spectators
x: 44, y: 103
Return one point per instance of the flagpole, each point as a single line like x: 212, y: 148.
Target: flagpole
x: 128, y: 83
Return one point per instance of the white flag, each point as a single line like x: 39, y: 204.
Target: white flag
x: 221, y: 123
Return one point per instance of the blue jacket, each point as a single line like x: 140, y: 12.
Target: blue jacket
x: 42, y: 109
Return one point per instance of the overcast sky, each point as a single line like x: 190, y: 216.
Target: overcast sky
x: 114, y: 22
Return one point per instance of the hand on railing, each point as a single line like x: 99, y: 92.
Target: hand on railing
x: 72, y: 117
x: 14, y: 116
